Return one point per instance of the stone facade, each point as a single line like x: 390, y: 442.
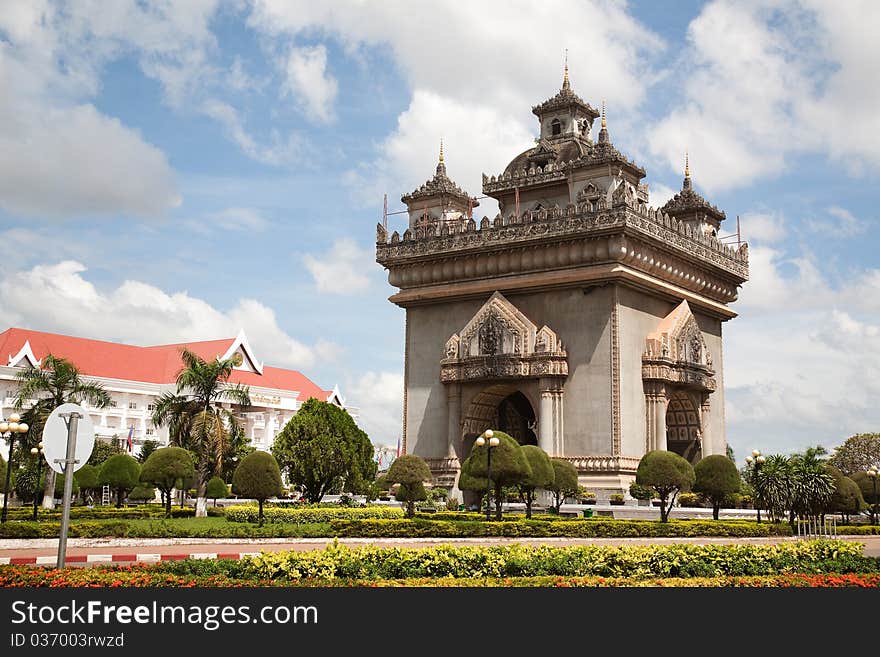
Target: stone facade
x: 579, y: 318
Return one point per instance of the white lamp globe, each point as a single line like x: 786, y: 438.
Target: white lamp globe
x: 488, y: 433
x: 12, y: 426
x: 761, y: 459
x: 34, y: 450
x: 493, y: 441
x: 4, y: 427
x: 749, y: 459
x: 15, y: 417
x: 480, y: 441
x: 756, y: 453
x: 22, y: 427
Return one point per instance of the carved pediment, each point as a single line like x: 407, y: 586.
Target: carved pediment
x: 501, y: 342
x: 676, y: 351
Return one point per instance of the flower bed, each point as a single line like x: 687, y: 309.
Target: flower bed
x: 158, y: 528
x: 573, y: 528
x: 147, y: 576
x: 814, y: 563
x: 310, y: 514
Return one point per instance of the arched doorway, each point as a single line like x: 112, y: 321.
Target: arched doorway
x: 683, y: 428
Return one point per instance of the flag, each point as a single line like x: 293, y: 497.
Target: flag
x: 130, y: 443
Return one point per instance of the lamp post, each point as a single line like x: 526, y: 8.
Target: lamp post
x: 8, y: 429
x: 38, y: 452
x: 488, y: 436
x: 872, y: 473
x: 758, y: 460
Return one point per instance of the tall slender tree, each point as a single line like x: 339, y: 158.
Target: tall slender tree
x: 57, y: 381
x: 196, y: 419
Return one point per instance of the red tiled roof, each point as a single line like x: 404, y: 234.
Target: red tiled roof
x: 157, y: 364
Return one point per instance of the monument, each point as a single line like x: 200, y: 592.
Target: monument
x: 579, y: 318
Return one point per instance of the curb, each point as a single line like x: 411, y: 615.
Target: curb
x: 51, y: 560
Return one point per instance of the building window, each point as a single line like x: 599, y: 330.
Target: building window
x: 132, y: 405
x: 151, y: 407
x: 150, y: 431
x: 555, y: 127
x: 112, y: 403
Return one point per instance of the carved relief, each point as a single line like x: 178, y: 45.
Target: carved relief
x: 676, y: 352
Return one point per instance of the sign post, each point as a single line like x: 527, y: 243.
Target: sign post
x: 69, y: 433
x: 70, y: 460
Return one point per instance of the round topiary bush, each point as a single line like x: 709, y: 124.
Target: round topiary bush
x: 509, y: 466
x: 411, y: 472
x: 257, y: 476
x: 668, y: 474
x: 121, y: 472
x: 216, y: 488
x: 167, y: 468
x: 142, y: 493
x: 565, y: 481
x: 716, y: 478
x: 541, y: 475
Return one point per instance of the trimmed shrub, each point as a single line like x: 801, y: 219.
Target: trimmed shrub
x: 250, y: 513
x: 142, y: 493
x: 87, y: 477
x: 641, y: 492
x: 164, y: 468
x: 690, y: 500
x: 716, y: 478
x: 541, y: 476
x: 411, y: 472
x: 216, y: 488
x: 565, y: 481
x: 509, y: 466
x: 121, y: 472
x: 257, y: 476
x: 668, y: 474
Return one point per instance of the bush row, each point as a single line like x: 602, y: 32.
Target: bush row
x: 154, y: 576
x: 539, y: 560
x: 106, y: 513
x: 423, y: 528
x: 161, y: 529
x: 309, y: 515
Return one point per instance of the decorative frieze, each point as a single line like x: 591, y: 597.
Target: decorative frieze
x: 603, y: 464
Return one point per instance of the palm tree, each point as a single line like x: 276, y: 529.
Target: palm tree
x: 196, y: 419
x: 56, y: 382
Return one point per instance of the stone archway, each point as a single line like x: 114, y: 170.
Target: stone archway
x: 683, y: 426
x: 504, y: 407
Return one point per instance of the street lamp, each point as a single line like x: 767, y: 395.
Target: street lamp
x: 872, y: 473
x: 38, y: 452
x: 488, y: 435
x: 8, y: 428
x: 758, y: 460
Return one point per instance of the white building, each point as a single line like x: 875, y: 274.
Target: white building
x: 136, y: 376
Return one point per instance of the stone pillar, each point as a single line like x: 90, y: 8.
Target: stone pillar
x: 655, y: 416
x: 706, y: 446
x: 453, y: 419
x: 550, y: 417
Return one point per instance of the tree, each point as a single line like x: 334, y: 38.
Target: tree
x: 103, y: 451
x: 57, y: 381
x: 147, y: 448
x: 165, y: 468
x: 773, y: 485
x: 142, y: 493
x: 216, y: 488
x: 565, y: 481
x: 257, y: 476
x: 467, y: 481
x: 668, y: 474
x: 812, y: 486
x: 87, y: 477
x: 2, y: 475
x: 322, y: 449
x: 729, y: 453
x: 509, y: 466
x: 197, y: 420
x: 857, y: 454
x: 542, y: 474
x: 716, y: 477
x: 121, y: 472
x: 847, y: 497
x: 411, y: 472
x: 866, y: 486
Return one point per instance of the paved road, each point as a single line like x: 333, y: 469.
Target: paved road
x: 121, y: 547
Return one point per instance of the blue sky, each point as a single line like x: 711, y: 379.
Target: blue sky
x: 176, y: 171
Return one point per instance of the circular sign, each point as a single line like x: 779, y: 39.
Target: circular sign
x: 55, y: 437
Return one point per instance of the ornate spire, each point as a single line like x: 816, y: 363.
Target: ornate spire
x: 603, y: 133
x: 565, y: 83
x: 687, y: 172
x: 441, y: 165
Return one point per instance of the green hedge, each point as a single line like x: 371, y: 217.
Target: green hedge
x: 310, y: 515
x: 536, y: 560
x: 161, y: 529
x: 476, y: 516
x: 858, y: 530
x: 590, y: 528
x: 107, y: 513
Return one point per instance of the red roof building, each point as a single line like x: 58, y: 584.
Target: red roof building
x: 135, y: 376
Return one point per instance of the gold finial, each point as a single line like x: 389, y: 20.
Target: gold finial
x: 687, y: 167
x: 604, y: 123
x: 565, y: 83
x: 441, y: 149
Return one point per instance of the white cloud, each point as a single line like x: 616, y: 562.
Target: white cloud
x: 765, y: 228
x: 842, y: 223
x: 379, y: 398
x: 236, y: 219
x: 660, y: 194
x: 139, y: 313
x: 762, y: 81
x: 281, y: 151
x: 308, y: 81
x: 344, y: 269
